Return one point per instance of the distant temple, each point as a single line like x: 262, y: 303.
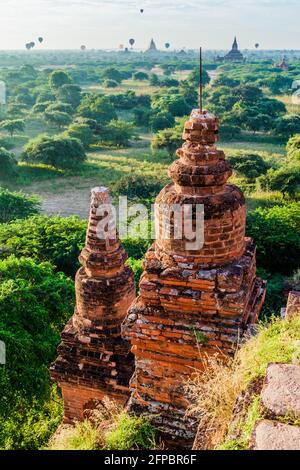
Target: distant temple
x: 234, y: 55
x: 152, y: 47
x: 283, y: 65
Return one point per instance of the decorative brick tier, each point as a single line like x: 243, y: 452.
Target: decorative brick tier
x: 192, y: 303
x: 94, y: 361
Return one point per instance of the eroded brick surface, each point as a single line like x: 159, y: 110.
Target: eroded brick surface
x: 192, y: 303
x: 94, y: 361
x: 293, y: 305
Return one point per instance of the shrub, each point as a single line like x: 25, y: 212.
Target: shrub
x: 13, y: 125
x: 54, y: 239
x: 140, y: 76
x: 137, y: 268
x: 137, y: 186
x: 58, y: 151
x: 169, y: 139
x: 285, y: 180
x: 15, y: 205
x: 8, y: 164
x: 118, y: 133
x: 161, y: 120
x: 276, y: 232
x: 35, y: 303
x: 82, y: 132
x: 250, y: 166
x: 110, y: 84
x: 131, y: 432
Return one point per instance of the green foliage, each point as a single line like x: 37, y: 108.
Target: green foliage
x: 58, y: 78
x: 161, y: 120
x: 58, y: 118
x: 70, y: 94
x: 118, y: 133
x: 15, y: 205
x: 30, y: 424
x: 250, y: 166
x: 169, y: 139
x: 137, y: 268
x: 275, y: 298
x: 112, y: 74
x: 110, y: 84
x: 131, y: 432
x: 98, y: 108
x: 58, y: 151
x: 140, y: 76
x: 35, y: 303
x: 288, y: 125
x: 136, y: 248
x: 276, y: 232
x: 137, y: 186
x: 82, y: 132
x: 13, y: 125
x: 285, y: 180
x: 8, y: 164
x: 54, y: 239
x: 293, y: 148
x: 173, y: 104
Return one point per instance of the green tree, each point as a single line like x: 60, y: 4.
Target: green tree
x: 293, y: 148
x: 58, y: 78
x: 98, y: 108
x: 58, y: 118
x: 161, y: 120
x: 118, y: 132
x: 14, y: 205
x: 250, y: 166
x: 288, y: 125
x: 169, y: 139
x: 110, y: 84
x: 13, y: 125
x: 58, y: 151
x: 276, y: 232
x: 140, y: 76
x: 285, y: 180
x: 82, y: 132
x: 112, y: 73
x: 70, y: 94
x: 55, y: 239
x: 8, y: 164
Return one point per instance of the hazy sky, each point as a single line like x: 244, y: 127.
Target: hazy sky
x: 107, y: 23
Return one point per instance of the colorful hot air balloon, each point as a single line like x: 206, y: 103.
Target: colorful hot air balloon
x: 121, y: 46
x: 256, y: 45
x: 41, y: 40
x: 83, y: 47
x: 167, y: 45
x: 131, y: 42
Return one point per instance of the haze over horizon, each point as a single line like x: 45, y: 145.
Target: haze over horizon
x: 105, y: 24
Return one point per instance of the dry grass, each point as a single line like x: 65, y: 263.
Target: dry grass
x: 213, y: 392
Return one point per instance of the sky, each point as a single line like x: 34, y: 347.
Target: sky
x: 105, y: 24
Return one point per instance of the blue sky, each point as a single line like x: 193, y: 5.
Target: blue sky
x: 184, y: 23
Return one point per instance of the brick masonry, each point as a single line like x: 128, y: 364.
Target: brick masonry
x: 192, y: 303
x: 94, y: 361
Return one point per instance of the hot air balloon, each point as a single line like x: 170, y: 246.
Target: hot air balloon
x: 32, y: 44
x: 167, y: 45
x: 256, y: 45
x: 83, y: 47
x: 28, y: 47
x: 41, y: 40
x: 131, y: 42
x: 121, y: 46
x: 142, y: 10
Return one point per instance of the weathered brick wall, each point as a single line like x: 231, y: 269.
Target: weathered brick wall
x: 192, y: 303
x: 94, y: 361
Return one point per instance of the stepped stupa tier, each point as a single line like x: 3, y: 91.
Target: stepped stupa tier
x: 194, y: 301
x: 94, y: 361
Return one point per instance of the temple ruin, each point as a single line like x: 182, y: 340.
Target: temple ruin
x: 192, y: 303
x: 94, y: 361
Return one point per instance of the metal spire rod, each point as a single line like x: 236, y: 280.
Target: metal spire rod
x: 201, y: 83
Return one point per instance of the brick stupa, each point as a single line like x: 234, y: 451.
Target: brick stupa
x: 192, y: 303
x: 94, y: 361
